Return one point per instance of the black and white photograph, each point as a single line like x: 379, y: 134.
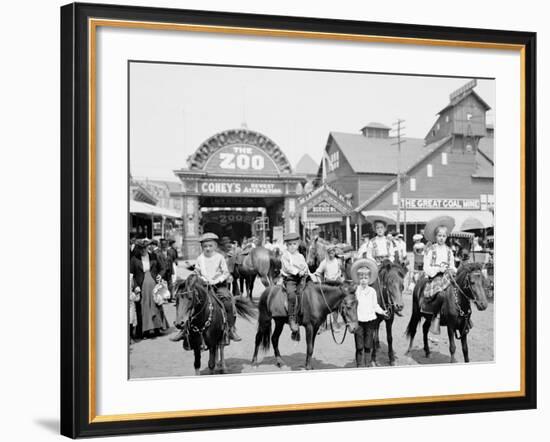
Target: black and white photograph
x: 286, y: 220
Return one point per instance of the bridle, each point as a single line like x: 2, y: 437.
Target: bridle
x: 467, y: 293
x: 197, y: 301
x: 340, y: 311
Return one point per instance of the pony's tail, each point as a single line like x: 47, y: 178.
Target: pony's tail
x: 263, y: 335
x: 245, y: 308
x: 415, y: 315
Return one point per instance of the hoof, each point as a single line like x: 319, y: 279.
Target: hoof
x: 373, y: 364
x: 197, y: 372
x: 279, y: 362
x: 453, y: 361
x: 427, y: 354
x: 392, y: 363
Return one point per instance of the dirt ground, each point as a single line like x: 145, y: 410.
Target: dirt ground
x: 160, y: 357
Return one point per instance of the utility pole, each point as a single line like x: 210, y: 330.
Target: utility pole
x: 399, y: 142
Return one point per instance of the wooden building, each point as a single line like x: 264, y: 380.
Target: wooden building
x: 451, y: 169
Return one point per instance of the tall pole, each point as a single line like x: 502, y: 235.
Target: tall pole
x: 400, y: 141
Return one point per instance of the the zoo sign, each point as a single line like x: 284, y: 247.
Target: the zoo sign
x: 241, y: 159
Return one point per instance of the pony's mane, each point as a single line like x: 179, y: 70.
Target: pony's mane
x: 387, y: 266
x: 465, y: 269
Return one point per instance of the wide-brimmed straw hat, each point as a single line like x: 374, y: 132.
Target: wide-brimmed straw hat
x: 433, y: 224
x: 361, y: 264
x: 209, y: 237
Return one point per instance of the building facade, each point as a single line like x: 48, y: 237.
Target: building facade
x: 238, y: 183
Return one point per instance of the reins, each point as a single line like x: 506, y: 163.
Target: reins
x: 330, y: 317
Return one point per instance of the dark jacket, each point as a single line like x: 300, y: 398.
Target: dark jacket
x: 173, y: 253
x: 165, y: 264
x: 136, y: 268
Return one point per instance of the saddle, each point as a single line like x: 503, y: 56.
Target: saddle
x: 277, y: 302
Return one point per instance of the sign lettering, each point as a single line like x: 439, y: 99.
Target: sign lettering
x: 240, y: 158
x: 238, y: 188
x: 441, y: 203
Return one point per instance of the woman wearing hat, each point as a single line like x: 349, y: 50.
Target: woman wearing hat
x: 146, y: 272
x: 365, y: 272
x: 293, y: 269
x: 438, y: 259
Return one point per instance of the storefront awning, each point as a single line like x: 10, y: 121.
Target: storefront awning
x: 140, y: 207
x: 464, y: 219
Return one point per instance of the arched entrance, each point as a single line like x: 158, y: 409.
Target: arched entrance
x: 235, y: 180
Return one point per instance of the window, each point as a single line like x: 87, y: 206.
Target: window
x: 334, y: 160
x: 468, y: 116
x: 469, y: 147
x: 430, y: 171
x: 413, y: 184
x: 394, y: 198
x: 447, y: 118
x: 437, y: 126
x: 444, y: 158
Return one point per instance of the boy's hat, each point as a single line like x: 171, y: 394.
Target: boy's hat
x: 209, y: 237
x: 417, y: 237
x: 433, y: 224
x: 362, y: 264
x: 381, y: 221
x: 291, y: 237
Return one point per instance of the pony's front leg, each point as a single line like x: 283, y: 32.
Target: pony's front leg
x: 279, y: 325
x: 425, y: 330
x: 197, y: 363
x: 212, y: 359
x: 452, y: 345
x: 310, y: 336
x: 222, y: 366
x: 389, y: 336
x: 464, y: 341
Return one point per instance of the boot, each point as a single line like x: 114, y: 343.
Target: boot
x: 434, y: 327
x: 293, y: 324
x: 178, y: 337
x: 233, y: 334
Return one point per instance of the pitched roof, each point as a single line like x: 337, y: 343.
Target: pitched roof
x: 484, y: 168
x: 458, y: 99
x: 306, y: 166
x: 486, y: 147
x: 377, y: 155
x: 429, y: 149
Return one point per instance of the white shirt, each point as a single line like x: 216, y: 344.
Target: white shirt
x: 401, y: 248
x: 367, y: 304
x: 380, y: 247
x: 330, y: 269
x: 443, y: 254
x: 213, y: 269
x: 293, y: 264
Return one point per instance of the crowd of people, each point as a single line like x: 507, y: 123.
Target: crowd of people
x: 153, y: 264
x: 152, y: 268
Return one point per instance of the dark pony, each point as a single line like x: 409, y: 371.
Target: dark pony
x: 389, y: 290
x: 203, y: 316
x: 314, y: 253
x: 317, y: 301
x: 454, y: 308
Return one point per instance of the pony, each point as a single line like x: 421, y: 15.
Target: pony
x: 389, y: 291
x: 203, y: 315
x: 317, y: 302
x: 453, y: 305
x: 259, y: 261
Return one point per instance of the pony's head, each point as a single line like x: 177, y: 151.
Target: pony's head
x: 189, y: 295
x: 391, y: 278
x: 348, y: 308
x: 470, y: 279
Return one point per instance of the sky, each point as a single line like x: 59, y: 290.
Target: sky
x: 174, y: 108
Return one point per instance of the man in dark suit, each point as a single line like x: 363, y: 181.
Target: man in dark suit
x: 166, y: 263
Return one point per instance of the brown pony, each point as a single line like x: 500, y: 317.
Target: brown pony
x: 317, y: 302
x: 454, y: 308
x: 261, y: 262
